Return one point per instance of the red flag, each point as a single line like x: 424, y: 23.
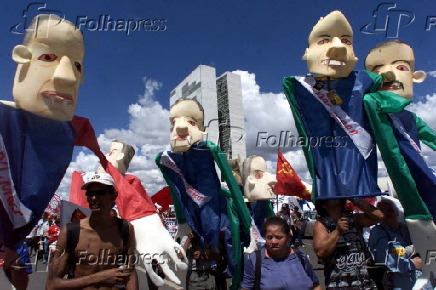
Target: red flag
x: 288, y: 182
x: 77, y: 195
x: 163, y: 198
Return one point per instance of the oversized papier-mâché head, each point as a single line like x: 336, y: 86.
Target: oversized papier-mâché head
x: 49, y: 70
x: 397, y: 57
x: 120, y: 155
x: 258, y: 182
x: 330, y: 50
x: 186, y: 117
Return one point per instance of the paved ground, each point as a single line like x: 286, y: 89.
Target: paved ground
x: 38, y: 278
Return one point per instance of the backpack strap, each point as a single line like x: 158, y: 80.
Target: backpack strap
x: 73, y: 232
x: 300, y: 256
x: 123, y: 227
x: 257, y: 270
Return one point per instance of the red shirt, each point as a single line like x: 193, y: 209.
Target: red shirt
x: 53, y: 233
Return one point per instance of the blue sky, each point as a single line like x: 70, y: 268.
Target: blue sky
x: 264, y: 38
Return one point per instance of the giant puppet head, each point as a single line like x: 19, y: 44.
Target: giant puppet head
x: 120, y: 155
x: 330, y: 47
x: 258, y: 182
x: 186, y: 117
x: 49, y: 70
x: 397, y: 57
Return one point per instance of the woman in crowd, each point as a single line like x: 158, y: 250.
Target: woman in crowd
x: 277, y: 265
x: 338, y: 242
x: 390, y: 244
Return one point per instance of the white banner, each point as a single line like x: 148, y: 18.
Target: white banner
x: 18, y: 214
x: 361, y: 139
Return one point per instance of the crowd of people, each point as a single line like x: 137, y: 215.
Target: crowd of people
x: 44, y: 235
x: 388, y: 261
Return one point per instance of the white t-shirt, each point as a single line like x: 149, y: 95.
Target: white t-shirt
x: 42, y: 227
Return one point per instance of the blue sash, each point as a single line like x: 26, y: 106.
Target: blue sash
x: 341, y: 170
x: 198, y: 168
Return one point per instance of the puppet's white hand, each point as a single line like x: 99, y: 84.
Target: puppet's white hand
x: 153, y: 242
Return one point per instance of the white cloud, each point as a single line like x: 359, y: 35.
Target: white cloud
x: 426, y: 111
x: 268, y: 121
x: 266, y: 116
x: 431, y: 73
x: 148, y: 133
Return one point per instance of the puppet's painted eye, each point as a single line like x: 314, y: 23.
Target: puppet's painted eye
x: 325, y: 40
x: 402, y: 67
x: 48, y: 57
x: 345, y: 41
x: 192, y: 123
x: 258, y: 175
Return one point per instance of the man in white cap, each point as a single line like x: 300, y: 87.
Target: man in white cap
x: 101, y: 238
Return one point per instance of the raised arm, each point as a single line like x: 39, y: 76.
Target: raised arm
x: 324, y: 243
x: 371, y: 215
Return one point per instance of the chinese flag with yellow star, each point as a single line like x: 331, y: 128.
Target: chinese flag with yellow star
x: 288, y: 182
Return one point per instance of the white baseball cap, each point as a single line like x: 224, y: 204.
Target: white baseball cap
x: 95, y: 177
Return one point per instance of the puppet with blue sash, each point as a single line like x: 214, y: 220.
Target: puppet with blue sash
x: 398, y: 133
x: 217, y: 215
x: 327, y: 107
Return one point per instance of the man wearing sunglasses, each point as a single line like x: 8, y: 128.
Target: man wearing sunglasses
x: 100, y: 240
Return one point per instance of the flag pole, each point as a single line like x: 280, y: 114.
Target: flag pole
x: 277, y: 196
x: 277, y: 202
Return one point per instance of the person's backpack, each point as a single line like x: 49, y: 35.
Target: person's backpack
x: 258, y: 266
x: 73, y: 233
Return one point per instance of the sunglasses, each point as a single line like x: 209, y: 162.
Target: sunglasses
x: 97, y: 192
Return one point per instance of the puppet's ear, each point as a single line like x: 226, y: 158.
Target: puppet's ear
x: 21, y: 54
x: 120, y: 156
x: 250, y: 180
x: 419, y: 76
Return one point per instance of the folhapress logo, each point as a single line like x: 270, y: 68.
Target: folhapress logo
x: 30, y: 12
x: 388, y: 20
x: 103, y: 22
